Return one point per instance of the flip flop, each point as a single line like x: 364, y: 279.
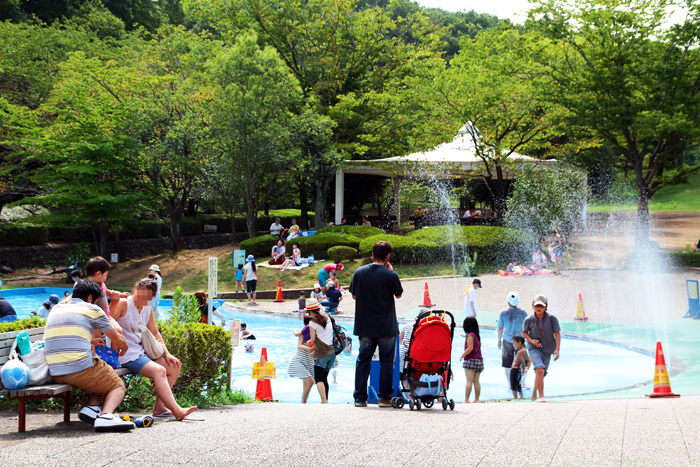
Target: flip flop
x: 190, y: 419
x: 163, y: 414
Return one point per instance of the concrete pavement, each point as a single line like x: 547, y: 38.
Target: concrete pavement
x: 632, y: 432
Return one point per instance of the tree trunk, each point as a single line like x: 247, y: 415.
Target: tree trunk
x: 642, y: 231
x: 103, y: 238
x: 251, y: 217
x: 320, y: 208
x: 233, y: 225
x: 500, y: 193
x: 303, y: 204
x: 175, y: 231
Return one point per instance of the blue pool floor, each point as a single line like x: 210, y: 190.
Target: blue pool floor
x: 583, y: 367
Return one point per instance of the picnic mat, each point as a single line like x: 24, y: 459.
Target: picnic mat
x: 294, y: 268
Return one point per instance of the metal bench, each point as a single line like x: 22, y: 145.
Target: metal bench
x: 45, y: 391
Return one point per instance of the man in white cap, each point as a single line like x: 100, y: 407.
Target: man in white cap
x: 510, y: 323
x: 542, y: 333
x: 470, y: 299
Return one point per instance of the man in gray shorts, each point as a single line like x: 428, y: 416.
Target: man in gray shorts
x: 542, y: 333
x: 510, y: 323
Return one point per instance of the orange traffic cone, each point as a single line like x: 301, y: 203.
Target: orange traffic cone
x: 278, y: 297
x: 580, y: 312
x: 662, y: 386
x: 426, y: 298
x: 263, y: 391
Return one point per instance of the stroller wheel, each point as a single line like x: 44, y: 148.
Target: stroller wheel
x: 411, y: 404
x: 429, y: 404
x: 452, y: 404
x: 393, y: 402
x: 418, y: 404
x: 399, y: 403
x: 444, y: 404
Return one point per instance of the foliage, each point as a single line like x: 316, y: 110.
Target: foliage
x: 338, y: 254
x: 22, y: 324
x: 629, y: 81
x: 359, y: 231
x: 494, y: 92
x: 259, y: 247
x: 22, y: 235
x: 252, y: 120
x: 546, y: 197
x: 435, y: 244
x: 319, y: 244
x: 685, y: 259
x: 185, y: 308
x: 205, y: 353
x: 80, y: 254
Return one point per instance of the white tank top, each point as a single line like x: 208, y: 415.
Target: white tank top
x: 131, y: 331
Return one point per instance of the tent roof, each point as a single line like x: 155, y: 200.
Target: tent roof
x: 458, y: 157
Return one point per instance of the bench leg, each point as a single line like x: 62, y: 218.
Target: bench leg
x: 22, y: 416
x: 66, y: 406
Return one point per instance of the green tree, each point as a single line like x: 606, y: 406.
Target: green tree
x: 629, y: 81
x: 352, y: 67
x: 493, y: 92
x: 252, y: 119
x: 546, y: 197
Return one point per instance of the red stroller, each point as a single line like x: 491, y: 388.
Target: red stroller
x: 426, y: 372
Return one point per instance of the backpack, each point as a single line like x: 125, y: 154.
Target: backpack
x: 340, y: 340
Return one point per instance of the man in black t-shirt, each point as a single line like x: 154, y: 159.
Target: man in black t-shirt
x: 6, y: 310
x: 373, y: 288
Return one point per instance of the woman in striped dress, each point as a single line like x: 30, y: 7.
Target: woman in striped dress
x: 302, y: 363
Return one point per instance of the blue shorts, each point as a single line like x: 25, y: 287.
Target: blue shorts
x: 326, y: 362
x: 539, y: 359
x: 559, y: 252
x: 137, y: 364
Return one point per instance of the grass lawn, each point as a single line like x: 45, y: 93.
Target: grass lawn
x: 671, y: 198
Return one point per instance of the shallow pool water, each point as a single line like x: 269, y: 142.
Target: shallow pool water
x: 583, y: 367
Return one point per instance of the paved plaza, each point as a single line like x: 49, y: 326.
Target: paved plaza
x: 634, y: 432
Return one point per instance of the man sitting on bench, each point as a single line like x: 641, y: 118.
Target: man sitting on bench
x: 68, y: 346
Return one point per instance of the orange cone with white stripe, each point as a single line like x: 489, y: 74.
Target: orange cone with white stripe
x: 662, y: 385
x: 426, y: 298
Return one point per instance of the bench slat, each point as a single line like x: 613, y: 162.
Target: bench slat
x: 12, y: 334
x: 7, y: 344
x: 46, y: 389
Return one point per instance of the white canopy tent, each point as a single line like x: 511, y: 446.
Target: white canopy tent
x: 452, y: 160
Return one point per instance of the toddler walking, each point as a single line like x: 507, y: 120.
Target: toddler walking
x: 521, y: 360
x: 302, y: 304
x: 239, y: 277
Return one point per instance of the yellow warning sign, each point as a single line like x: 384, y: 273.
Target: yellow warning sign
x: 264, y: 371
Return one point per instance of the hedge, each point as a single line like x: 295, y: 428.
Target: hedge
x: 443, y: 243
x: 259, y: 247
x: 223, y: 221
x: 685, y: 259
x: 338, y: 254
x: 23, y: 235
x: 359, y: 231
x: 319, y: 244
x: 22, y: 324
x: 205, y: 353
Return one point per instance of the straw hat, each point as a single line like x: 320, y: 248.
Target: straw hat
x: 312, y: 305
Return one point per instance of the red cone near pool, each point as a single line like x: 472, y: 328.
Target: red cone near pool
x: 662, y: 385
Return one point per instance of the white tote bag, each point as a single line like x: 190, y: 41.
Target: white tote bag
x: 38, y: 368
x: 149, y: 343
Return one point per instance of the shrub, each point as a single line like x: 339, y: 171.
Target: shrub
x: 685, y: 259
x: 137, y: 230
x: 205, y: 353
x: 22, y: 324
x: 80, y: 253
x: 359, y: 231
x: 191, y: 226
x: 338, y: 254
x: 185, y: 308
x: 69, y: 233
x: 319, y: 244
x: 444, y: 243
x: 23, y: 235
x: 259, y: 247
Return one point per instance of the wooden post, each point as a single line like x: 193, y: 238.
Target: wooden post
x: 22, y: 416
x: 66, y: 406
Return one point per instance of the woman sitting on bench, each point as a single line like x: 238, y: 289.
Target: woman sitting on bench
x: 132, y: 314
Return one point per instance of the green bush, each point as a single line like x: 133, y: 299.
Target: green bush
x: 22, y: 324
x: 185, y: 308
x: 685, y: 259
x: 319, y: 244
x: 69, y: 233
x: 259, y: 247
x: 341, y: 253
x: 191, y: 226
x: 205, y: 353
x: 23, y: 235
x: 223, y: 221
x: 138, y: 230
x: 437, y: 244
x: 359, y: 231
